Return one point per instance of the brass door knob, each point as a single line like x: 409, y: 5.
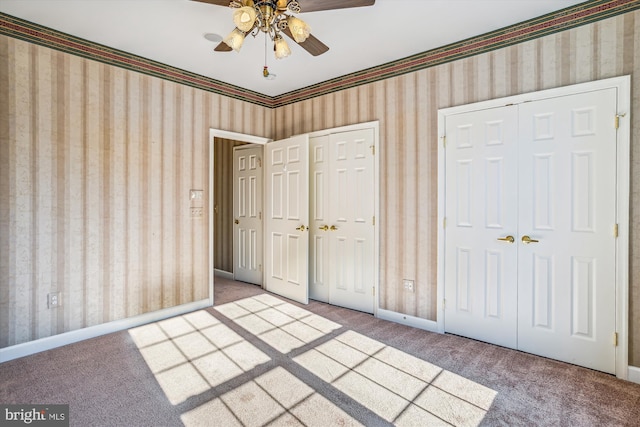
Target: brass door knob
x: 324, y: 227
x: 333, y: 228
x: 301, y: 228
x: 526, y: 240
x: 237, y: 221
x: 509, y: 239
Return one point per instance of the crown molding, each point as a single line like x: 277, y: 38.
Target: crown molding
x: 564, y: 19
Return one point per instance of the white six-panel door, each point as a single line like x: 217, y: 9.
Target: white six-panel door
x: 287, y: 217
x: 319, y: 218
x: 567, y: 197
x: 351, y: 206
x: 481, y: 205
x: 247, y: 213
x: 342, y: 232
x: 544, y: 173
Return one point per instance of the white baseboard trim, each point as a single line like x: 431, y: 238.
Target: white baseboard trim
x: 405, y: 319
x: 634, y: 374
x: 222, y: 273
x: 47, y: 343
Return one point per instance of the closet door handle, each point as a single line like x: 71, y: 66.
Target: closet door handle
x: 301, y: 228
x: 333, y: 228
x: 526, y: 240
x: 509, y: 239
x: 324, y: 227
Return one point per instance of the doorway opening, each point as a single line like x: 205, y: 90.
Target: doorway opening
x: 221, y: 219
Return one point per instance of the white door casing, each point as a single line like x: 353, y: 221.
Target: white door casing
x: 567, y: 202
x: 287, y: 217
x: 247, y: 214
x: 481, y: 206
x: 213, y: 134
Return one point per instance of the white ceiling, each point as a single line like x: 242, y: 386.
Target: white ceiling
x: 171, y: 32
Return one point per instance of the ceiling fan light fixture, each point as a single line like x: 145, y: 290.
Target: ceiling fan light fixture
x: 235, y: 39
x: 245, y: 18
x: 299, y: 29
x: 281, y: 47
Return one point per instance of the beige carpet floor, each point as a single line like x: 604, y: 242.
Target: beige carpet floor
x: 256, y: 359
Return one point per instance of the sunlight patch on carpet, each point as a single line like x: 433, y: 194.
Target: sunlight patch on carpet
x: 197, y: 356
x: 274, y: 398
x: 283, y: 326
x: 398, y: 387
x: 192, y: 353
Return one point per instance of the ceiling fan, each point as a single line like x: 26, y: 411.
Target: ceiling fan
x: 274, y: 18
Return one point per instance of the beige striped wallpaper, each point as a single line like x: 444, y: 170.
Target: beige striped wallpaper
x: 407, y: 106
x: 96, y: 164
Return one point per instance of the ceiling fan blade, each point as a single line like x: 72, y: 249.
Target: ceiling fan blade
x: 317, y: 5
x: 223, y: 47
x: 312, y: 45
x: 224, y: 3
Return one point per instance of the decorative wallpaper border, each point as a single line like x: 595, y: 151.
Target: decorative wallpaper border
x: 44, y: 36
x: 571, y: 17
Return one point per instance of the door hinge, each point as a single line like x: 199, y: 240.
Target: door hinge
x: 444, y: 303
x: 260, y: 215
x: 373, y: 220
x: 615, y: 230
x: 373, y: 149
x: 615, y: 339
x: 444, y: 222
x: 373, y: 291
x: 617, y: 120
x: 444, y: 141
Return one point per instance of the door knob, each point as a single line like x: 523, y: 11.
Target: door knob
x: 301, y: 228
x: 333, y: 228
x: 237, y: 221
x: 526, y: 240
x: 324, y: 227
x: 509, y: 239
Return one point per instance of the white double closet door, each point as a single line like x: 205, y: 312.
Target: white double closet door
x: 529, y: 241
x: 319, y: 225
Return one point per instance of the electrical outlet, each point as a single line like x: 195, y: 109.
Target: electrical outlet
x: 408, y: 285
x: 54, y: 300
x: 196, y: 212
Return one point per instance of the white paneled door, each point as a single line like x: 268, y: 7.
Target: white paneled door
x: 247, y: 213
x: 481, y: 205
x: 530, y: 236
x: 287, y: 217
x: 567, y: 199
x: 319, y: 218
x: 342, y: 230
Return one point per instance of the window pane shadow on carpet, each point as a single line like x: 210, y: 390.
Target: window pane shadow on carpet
x: 255, y: 359
x: 261, y: 360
